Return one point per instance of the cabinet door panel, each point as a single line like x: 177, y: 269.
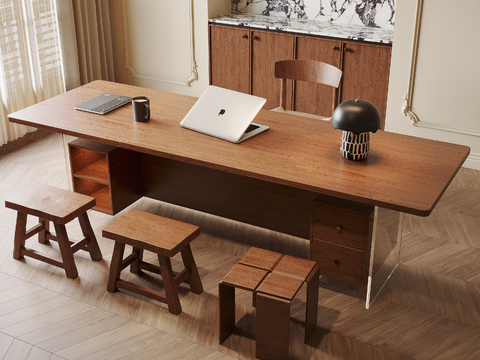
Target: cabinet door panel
x: 366, y: 70
x: 314, y: 98
x: 230, y: 58
x: 268, y: 47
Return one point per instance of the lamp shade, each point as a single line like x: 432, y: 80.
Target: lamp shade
x: 357, y: 116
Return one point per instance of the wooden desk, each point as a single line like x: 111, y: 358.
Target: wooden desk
x: 269, y: 180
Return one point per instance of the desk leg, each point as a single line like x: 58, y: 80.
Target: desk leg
x: 385, y: 251
x: 272, y: 327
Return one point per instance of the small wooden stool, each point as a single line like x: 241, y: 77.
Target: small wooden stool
x: 274, y: 297
x: 165, y: 237
x: 240, y: 277
x: 274, y: 280
x: 60, y: 207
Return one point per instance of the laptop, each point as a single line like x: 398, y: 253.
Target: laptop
x: 225, y: 114
x: 104, y: 103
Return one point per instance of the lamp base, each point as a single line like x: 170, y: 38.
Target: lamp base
x: 355, y: 147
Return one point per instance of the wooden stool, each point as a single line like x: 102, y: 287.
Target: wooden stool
x: 165, y: 237
x: 274, y: 280
x: 241, y: 277
x: 60, y: 207
x: 273, y: 299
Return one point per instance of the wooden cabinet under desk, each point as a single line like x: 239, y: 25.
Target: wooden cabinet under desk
x: 340, y: 238
x: 110, y: 174
x: 243, y: 60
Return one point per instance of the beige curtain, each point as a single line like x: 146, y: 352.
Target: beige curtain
x: 88, y: 40
x: 30, y: 61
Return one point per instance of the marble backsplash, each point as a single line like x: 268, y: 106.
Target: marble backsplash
x: 372, y: 13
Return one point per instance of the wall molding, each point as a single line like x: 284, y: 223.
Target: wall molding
x: 407, y: 107
x: 193, y: 73
x: 474, y: 156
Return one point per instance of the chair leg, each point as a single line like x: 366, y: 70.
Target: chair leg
x: 312, y: 302
x: 170, y: 285
x: 20, y: 232
x: 189, y: 263
x: 226, y: 317
x: 115, y: 266
x: 66, y: 251
x: 87, y: 230
x: 135, y: 266
x: 272, y: 327
x: 42, y: 239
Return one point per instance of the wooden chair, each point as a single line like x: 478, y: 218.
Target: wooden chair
x: 60, y: 207
x: 162, y: 236
x: 305, y: 70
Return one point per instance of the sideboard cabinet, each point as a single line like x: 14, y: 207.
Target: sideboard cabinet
x: 243, y: 60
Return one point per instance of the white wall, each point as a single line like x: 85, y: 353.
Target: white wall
x: 218, y: 7
x: 157, y: 45
x: 447, y: 78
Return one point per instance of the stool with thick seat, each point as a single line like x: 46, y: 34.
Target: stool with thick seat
x: 274, y: 279
x: 162, y: 236
x: 60, y: 207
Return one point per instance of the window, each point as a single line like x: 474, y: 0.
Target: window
x: 30, y: 59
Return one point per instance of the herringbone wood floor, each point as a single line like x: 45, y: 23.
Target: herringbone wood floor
x: 428, y: 310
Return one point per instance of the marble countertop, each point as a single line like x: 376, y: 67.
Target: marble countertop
x: 310, y: 27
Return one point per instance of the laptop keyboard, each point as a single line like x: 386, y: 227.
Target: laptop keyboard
x: 251, y: 127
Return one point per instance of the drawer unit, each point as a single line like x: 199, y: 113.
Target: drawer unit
x: 340, y: 238
x: 340, y: 226
x: 339, y: 262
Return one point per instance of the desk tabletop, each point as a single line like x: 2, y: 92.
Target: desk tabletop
x: 402, y: 173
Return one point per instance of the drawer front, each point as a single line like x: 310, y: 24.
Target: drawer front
x: 340, y: 263
x: 341, y: 226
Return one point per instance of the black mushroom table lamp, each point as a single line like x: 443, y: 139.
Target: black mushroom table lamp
x: 356, y: 117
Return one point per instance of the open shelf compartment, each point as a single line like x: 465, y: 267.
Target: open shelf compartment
x: 109, y: 174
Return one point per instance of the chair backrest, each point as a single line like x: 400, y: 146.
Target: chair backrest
x: 306, y: 70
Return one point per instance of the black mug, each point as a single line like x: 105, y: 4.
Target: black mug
x: 141, y: 108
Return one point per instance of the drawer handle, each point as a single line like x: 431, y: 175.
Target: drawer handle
x: 336, y: 262
x: 244, y: 36
x: 339, y: 228
x: 336, y: 48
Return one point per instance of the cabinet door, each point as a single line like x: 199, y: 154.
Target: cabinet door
x: 366, y: 70
x: 314, y: 98
x: 268, y: 47
x: 230, y: 58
